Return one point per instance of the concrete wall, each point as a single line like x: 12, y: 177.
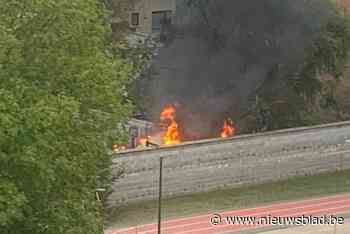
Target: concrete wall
x: 213, y: 164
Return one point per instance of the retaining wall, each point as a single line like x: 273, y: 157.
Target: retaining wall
x: 248, y: 159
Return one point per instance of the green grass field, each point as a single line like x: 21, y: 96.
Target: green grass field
x: 223, y: 200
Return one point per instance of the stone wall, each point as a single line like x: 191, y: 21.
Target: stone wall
x: 248, y: 159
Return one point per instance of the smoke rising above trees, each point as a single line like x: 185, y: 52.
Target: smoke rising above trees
x: 224, y: 52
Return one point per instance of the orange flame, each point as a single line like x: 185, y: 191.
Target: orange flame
x: 117, y: 148
x: 172, y: 135
x: 143, y: 141
x: 228, y: 130
x: 168, y: 113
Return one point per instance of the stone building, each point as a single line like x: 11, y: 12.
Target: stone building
x: 344, y: 3
x: 142, y: 16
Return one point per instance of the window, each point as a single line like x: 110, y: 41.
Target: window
x: 135, y: 19
x: 159, y: 18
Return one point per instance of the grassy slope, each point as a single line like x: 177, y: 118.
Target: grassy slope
x: 293, y: 189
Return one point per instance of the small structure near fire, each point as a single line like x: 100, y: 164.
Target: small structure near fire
x: 139, y: 129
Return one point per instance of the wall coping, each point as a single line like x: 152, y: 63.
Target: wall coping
x: 136, y: 152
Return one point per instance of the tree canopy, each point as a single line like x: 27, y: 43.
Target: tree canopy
x: 62, y: 90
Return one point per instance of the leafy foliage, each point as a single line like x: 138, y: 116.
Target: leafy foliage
x: 328, y: 54
x: 308, y: 95
x: 61, y: 92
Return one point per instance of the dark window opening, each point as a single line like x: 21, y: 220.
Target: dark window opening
x: 135, y: 19
x: 160, y: 19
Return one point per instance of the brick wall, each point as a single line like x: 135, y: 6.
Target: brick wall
x: 213, y: 164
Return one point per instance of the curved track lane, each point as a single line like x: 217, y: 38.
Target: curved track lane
x: 334, y: 205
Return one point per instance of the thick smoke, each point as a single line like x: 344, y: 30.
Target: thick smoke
x: 223, y: 51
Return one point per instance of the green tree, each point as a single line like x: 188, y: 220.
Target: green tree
x: 62, y: 90
x: 328, y: 54
x: 306, y: 93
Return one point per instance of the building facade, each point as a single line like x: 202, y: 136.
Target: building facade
x: 147, y: 15
x: 143, y: 16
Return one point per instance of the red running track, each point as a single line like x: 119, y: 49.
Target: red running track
x: 334, y: 205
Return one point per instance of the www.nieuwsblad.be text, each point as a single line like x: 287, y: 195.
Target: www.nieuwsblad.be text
x: 270, y: 220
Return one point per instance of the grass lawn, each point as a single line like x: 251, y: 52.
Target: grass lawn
x: 224, y: 200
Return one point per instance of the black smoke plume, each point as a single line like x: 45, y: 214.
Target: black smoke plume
x: 223, y: 51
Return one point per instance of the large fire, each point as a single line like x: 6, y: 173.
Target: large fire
x: 172, y: 133
x: 228, y: 130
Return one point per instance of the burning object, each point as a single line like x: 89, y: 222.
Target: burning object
x: 228, y: 130
x: 144, y: 141
x: 144, y: 135
x: 168, y: 121
x: 117, y: 148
